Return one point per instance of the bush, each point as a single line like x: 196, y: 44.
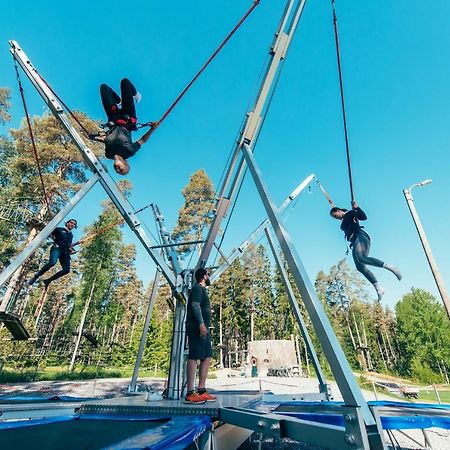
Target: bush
x: 422, y: 372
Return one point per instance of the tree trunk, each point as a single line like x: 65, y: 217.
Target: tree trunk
x: 80, y: 329
x: 14, y: 281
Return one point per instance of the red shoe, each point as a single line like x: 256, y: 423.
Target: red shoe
x: 208, y: 397
x: 194, y: 399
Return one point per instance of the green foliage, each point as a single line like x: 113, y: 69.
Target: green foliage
x: 196, y: 213
x: 5, y: 104
x: 423, y: 335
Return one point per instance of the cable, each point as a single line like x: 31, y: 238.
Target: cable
x: 341, y: 86
x: 30, y: 130
x: 219, y: 48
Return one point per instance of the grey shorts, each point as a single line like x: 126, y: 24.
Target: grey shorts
x: 199, y: 347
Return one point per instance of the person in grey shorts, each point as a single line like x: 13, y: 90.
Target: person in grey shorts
x: 360, y: 244
x: 198, y: 320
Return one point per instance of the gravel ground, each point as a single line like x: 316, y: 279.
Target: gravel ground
x: 440, y: 439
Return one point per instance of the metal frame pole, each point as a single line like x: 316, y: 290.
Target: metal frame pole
x: 258, y: 231
x: 253, y: 121
x: 44, y: 234
x: 339, y: 365
x: 121, y: 203
x: 427, y: 249
x: 323, y: 385
x: 137, y: 365
x: 176, y: 378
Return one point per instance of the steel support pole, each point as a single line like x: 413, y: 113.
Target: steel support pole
x: 253, y: 121
x: 169, y: 249
x: 120, y: 202
x: 323, y: 386
x: 260, y: 230
x: 176, y: 378
x: 427, y: 249
x: 339, y: 365
x: 148, y: 316
x: 44, y: 234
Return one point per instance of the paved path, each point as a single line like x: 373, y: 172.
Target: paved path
x: 111, y: 387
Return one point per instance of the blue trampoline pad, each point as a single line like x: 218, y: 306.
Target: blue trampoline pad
x: 103, y: 431
x: 394, y: 415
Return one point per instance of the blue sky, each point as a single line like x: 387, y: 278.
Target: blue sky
x: 396, y: 72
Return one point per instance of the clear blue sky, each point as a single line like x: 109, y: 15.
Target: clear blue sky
x: 396, y: 72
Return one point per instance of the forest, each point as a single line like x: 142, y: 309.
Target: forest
x: 91, y: 320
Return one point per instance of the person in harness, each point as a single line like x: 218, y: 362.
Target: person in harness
x: 61, y: 250
x: 360, y: 244
x: 122, y: 121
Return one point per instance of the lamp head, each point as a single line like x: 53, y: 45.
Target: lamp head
x: 424, y: 182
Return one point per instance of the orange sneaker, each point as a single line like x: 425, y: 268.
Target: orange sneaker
x: 194, y: 399
x: 208, y: 397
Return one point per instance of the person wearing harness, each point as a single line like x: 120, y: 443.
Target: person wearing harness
x: 122, y: 121
x: 360, y: 244
x: 61, y: 250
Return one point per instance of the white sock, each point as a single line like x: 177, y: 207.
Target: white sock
x: 380, y: 290
x: 394, y: 270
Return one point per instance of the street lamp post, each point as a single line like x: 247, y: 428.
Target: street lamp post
x: 426, y: 246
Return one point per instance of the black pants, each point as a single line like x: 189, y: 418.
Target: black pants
x: 110, y: 100
x: 360, y: 252
x: 55, y: 255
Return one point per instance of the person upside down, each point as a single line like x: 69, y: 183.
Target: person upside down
x: 360, y: 244
x: 121, y: 113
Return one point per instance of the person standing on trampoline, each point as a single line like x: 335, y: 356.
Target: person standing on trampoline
x: 122, y: 121
x: 198, y: 320
x: 360, y: 244
x: 61, y: 250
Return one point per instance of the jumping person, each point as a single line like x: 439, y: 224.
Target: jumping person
x: 360, y: 244
x: 122, y: 121
x: 198, y: 320
x: 61, y: 250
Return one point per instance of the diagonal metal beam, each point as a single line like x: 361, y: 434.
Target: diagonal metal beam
x: 253, y: 121
x: 333, y: 351
x: 323, y: 386
x: 43, y: 235
x: 121, y: 203
x: 257, y: 233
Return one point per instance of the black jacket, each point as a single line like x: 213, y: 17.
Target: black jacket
x: 350, y: 223
x: 63, y: 238
x: 118, y: 142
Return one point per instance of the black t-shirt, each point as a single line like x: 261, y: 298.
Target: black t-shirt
x: 63, y: 238
x: 118, y: 142
x: 350, y: 223
x: 198, y: 307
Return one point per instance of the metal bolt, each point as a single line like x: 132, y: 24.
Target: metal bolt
x: 349, y: 418
x: 349, y: 439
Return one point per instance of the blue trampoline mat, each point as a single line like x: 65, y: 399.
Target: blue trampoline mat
x: 427, y: 415
x: 97, y: 431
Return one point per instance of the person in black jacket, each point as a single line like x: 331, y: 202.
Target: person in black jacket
x: 360, y: 244
x: 122, y: 121
x: 60, y: 250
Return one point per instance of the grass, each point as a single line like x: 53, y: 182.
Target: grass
x: 430, y: 396
x: 11, y: 375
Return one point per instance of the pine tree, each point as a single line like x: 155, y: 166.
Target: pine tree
x: 63, y: 170
x: 196, y: 213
